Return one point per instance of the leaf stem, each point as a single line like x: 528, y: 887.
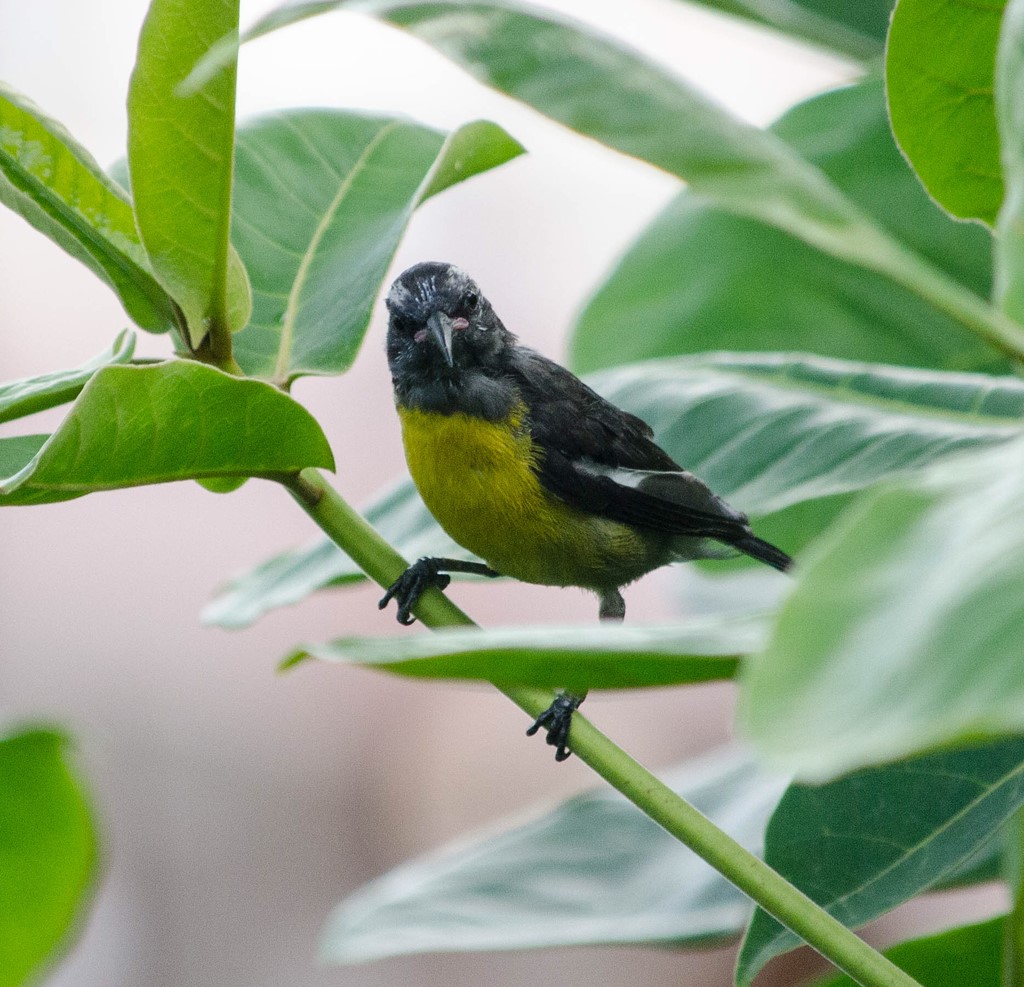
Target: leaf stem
x: 216, y: 349
x: 355, y: 536
x: 972, y: 312
x: 1013, y: 874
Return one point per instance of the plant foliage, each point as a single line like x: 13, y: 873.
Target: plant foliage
x: 808, y: 325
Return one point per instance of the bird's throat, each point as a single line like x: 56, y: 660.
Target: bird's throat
x: 466, y: 392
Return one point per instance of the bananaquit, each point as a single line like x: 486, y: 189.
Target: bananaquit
x: 531, y: 470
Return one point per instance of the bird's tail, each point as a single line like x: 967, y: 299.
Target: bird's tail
x: 763, y: 551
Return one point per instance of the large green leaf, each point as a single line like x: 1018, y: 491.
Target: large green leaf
x: 783, y: 437
x: 940, y: 64
x: 52, y: 182
x: 399, y: 515
x: 904, y: 630
x: 971, y: 955
x: 171, y: 421
x: 853, y: 29
x: 857, y: 30
x: 322, y: 199
x: 47, y: 852
x: 575, y: 658
x: 19, y: 398
x: 768, y: 431
x: 404, y: 522
x: 1009, y: 96
x: 699, y: 278
x: 180, y: 156
x: 603, y: 90
x: 593, y: 870
x: 863, y: 844
x: 592, y: 84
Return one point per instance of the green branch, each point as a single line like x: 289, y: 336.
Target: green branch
x: 354, y: 536
x: 1013, y: 929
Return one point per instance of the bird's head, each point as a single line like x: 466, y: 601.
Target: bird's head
x: 441, y: 326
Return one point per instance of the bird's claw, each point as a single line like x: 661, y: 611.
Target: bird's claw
x: 407, y: 589
x: 557, y: 719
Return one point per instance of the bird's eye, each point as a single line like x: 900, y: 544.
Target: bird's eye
x: 470, y: 299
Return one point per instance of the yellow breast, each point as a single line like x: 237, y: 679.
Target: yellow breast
x: 476, y: 477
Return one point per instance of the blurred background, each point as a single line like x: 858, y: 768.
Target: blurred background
x: 236, y: 805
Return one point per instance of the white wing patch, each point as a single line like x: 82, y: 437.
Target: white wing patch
x: 680, y: 487
x: 624, y: 477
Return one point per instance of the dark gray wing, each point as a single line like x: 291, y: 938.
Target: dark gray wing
x: 603, y: 460
x: 568, y: 416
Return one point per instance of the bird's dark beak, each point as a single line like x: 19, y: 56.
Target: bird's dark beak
x: 440, y: 327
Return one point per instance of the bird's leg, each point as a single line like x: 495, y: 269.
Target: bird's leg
x: 407, y: 589
x: 612, y: 605
x: 557, y: 718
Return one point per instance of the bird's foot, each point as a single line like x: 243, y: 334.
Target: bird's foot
x: 407, y: 589
x: 557, y: 719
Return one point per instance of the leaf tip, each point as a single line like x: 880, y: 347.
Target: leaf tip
x: 297, y: 657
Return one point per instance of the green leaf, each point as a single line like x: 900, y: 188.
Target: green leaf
x: 171, y: 421
x: 473, y: 148
x: 777, y: 435
x: 903, y: 631
x: 592, y: 870
x: 180, y: 156
x: 47, y: 852
x: 940, y: 63
x: 399, y: 515
x: 856, y: 30
x: 768, y: 431
x: 17, y: 452
x: 321, y: 202
x: 603, y: 90
x: 53, y: 183
x: 284, y: 580
x: 1009, y: 96
x: 699, y: 278
x: 971, y: 955
x: 19, y: 398
x: 600, y: 89
x: 575, y: 658
x: 864, y: 844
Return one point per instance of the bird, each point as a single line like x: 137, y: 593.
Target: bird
x: 531, y: 470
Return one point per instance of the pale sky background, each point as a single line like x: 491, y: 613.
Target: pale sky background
x: 237, y: 806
